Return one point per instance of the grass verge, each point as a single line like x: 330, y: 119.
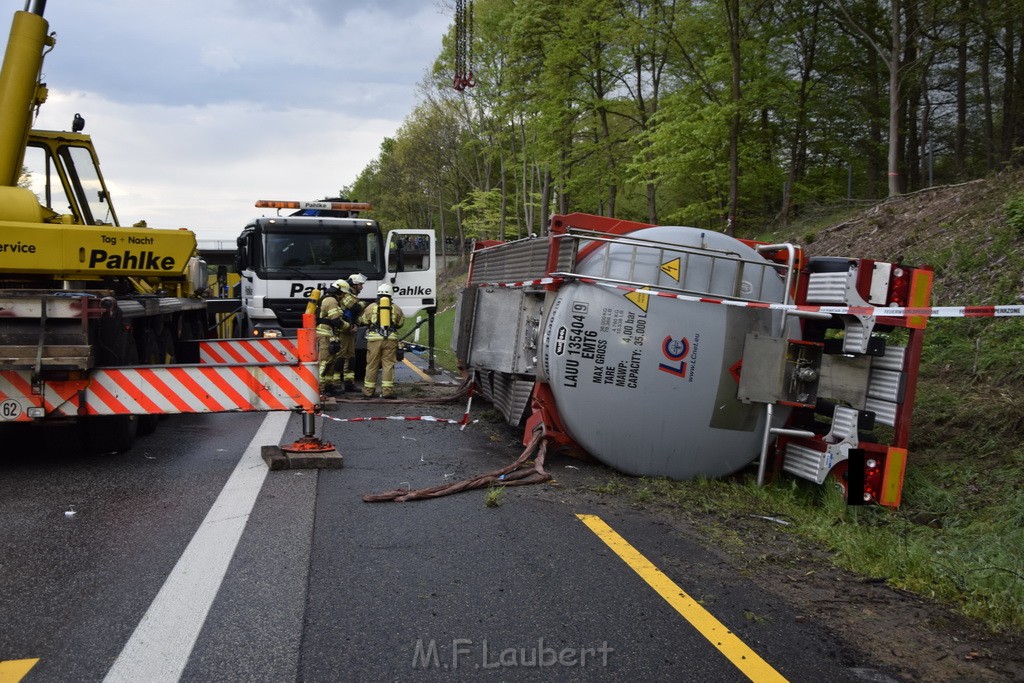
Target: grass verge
x: 967, y: 551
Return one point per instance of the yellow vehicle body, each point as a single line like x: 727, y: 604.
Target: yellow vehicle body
x: 64, y: 228
x: 20, y: 89
x: 81, y: 252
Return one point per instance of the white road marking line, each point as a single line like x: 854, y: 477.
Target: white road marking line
x: 162, y: 642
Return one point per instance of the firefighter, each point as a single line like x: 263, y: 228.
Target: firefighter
x: 330, y: 325
x: 382, y: 319
x: 353, y: 309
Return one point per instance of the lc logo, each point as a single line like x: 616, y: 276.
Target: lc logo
x: 675, y: 351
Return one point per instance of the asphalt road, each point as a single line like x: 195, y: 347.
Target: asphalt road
x: 125, y: 567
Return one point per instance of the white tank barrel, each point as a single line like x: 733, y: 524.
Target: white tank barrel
x: 648, y: 384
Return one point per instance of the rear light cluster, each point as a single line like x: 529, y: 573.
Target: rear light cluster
x: 899, y: 286
x: 872, y: 480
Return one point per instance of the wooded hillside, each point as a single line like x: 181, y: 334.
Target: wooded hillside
x: 695, y: 112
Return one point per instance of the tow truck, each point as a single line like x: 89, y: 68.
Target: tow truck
x: 283, y: 259
x: 101, y: 324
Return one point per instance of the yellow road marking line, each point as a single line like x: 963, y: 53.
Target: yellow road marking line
x: 417, y: 370
x: 745, y: 659
x: 13, y: 670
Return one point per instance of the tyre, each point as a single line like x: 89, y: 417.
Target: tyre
x: 115, y: 433
x: 150, y: 353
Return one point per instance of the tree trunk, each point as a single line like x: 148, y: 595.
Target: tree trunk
x: 798, y: 147
x: 1009, y: 39
x: 988, y: 117
x: 504, y: 200
x: 527, y: 185
x: 894, y: 102
x: 545, y: 200
x: 732, y: 8
x: 911, y: 151
x: 960, y: 138
x: 443, y: 256
x: 1016, y: 127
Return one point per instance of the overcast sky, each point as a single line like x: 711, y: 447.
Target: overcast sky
x: 198, y: 108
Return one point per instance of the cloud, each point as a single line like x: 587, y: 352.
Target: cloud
x: 204, y: 167
x: 188, y: 52
x: 199, y: 108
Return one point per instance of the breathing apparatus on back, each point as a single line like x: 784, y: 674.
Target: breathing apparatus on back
x: 384, y: 294
x: 317, y: 298
x: 313, y: 302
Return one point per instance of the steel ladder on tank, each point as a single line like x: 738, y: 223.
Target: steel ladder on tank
x: 575, y: 237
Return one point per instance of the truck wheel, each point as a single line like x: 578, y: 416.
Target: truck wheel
x: 166, y: 346
x: 151, y: 354
x: 838, y: 477
x: 112, y: 433
x: 115, y: 433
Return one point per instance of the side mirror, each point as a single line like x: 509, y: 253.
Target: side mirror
x: 242, y: 255
x: 396, y: 260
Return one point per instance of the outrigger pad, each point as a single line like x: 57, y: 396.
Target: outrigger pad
x: 278, y: 458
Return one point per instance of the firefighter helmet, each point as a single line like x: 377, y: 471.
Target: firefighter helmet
x: 385, y: 290
x: 343, y: 285
x: 357, y: 279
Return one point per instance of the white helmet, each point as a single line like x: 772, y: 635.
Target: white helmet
x: 357, y: 279
x: 343, y: 285
x: 385, y: 290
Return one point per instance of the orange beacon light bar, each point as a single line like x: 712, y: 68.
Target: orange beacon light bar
x: 323, y: 206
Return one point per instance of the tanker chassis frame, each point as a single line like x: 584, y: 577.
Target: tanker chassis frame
x: 838, y: 395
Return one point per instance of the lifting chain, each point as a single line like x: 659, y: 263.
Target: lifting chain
x: 463, y: 45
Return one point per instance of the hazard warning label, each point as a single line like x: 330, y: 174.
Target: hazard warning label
x: 639, y: 297
x: 671, y: 268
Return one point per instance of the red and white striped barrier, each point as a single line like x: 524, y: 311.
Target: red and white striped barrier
x: 237, y: 375
x: 257, y: 350
x: 199, y: 389
x: 161, y: 390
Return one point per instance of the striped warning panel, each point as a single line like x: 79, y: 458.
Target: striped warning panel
x: 158, y: 390
x: 17, y: 396
x: 202, y: 389
x: 222, y: 351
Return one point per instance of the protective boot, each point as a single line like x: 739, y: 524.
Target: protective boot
x: 325, y: 381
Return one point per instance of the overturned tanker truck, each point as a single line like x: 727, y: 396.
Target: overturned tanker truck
x: 681, y: 352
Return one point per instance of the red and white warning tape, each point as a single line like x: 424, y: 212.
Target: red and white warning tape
x: 863, y: 311
x: 469, y: 404
x: 462, y: 422
x: 414, y: 418
x: 524, y: 283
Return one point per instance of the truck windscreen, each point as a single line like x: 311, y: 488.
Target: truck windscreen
x: 321, y: 255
